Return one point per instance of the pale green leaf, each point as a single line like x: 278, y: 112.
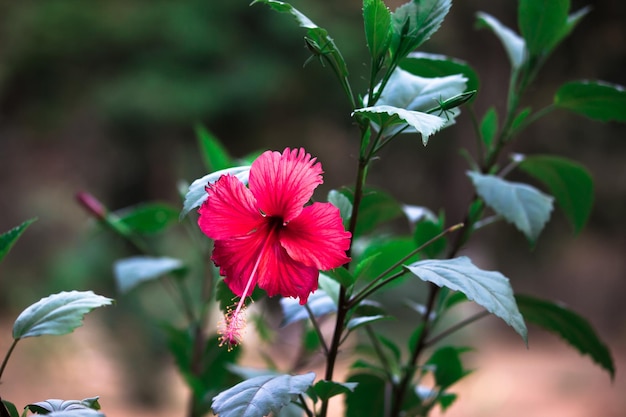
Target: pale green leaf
x: 57, y: 314
x: 130, y: 272
x: 357, y: 322
x: 595, y: 99
x: 514, y: 44
x: 197, y: 194
x: 343, y: 203
x: 319, y: 303
x: 521, y: 204
x: 489, y: 289
x: 383, y: 115
x: 570, y: 183
x: 262, y: 395
x: 573, y: 328
x: 435, y: 65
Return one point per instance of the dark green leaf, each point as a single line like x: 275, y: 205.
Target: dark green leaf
x: 424, y: 231
x: 520, y: 118
x: 526, y: 207
x: 328, y: 389
x: 389, y: 253
x: 57, y: 314
x: 368, y: 398
x: 225, y: 297
x: 573, y: 328
x: 446, y: 366
x: 595, y: 99
x: 414, y: 22
x: 542, y: 23
x: 319, y: 303
x: 570, y: 183
x: 376, y: 208
x: 214, y: 155
x: 311, y: 340
x: 415, y: 336
x: 573, y: 20
x: 8, y: 239
x: 490, y: 289
x: 9, y: 408
x: 514, y: 45
x: 130, y: 272
x: 342, y: 276
x: 148, y: 218
x: 446, y: 399
x: 259, y: 396
x: 489, y: 127
x: 377, y: 21
x: 432, y: 65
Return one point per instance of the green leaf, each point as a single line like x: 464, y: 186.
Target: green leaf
x: 424, y: 231
x: 319, y: 303
x: 490, y: 289
x: 383, y: 115
x: 214, y: 155
x: 148, y: 218
x: 196, y: 194
x: 257, y: 397
x: 520, y: 118
x: 389, y: 251
x: 573, y: 328
x: 368, y: 398
x: 328, y: 389
x: 57, y: 314
x: 572, y: 21
x: 342, y: 203
x: 9, y: 409
x: 317, y: 40
x: 377, y: 21
x: 514, y: 45
x: 489, y: 127
x: 438, y: 66
x: 542, y: 23
x: 526, y: 207
x: 376, y: 208
x: 8, y: 239
x: 414, y: 23
x: 130, y: 272
x: 357, y: 322
x: 570, y: 183
x: 595, y: 99
x: 446, y: 366
x: 342, y: 276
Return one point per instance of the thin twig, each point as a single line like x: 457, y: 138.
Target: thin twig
x: 317, y: 328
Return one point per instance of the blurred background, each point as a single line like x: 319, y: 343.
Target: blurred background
x: 105, y: 98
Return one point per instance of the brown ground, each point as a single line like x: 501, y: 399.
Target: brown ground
x: 547, y: 380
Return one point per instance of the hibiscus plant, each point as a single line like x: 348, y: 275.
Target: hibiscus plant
x: 265, y: 233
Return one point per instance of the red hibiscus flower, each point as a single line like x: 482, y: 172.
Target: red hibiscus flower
x: 265, y: 235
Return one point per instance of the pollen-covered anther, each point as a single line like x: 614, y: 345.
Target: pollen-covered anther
x: 232, y: 327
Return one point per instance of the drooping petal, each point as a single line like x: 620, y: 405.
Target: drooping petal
x: 317, y: 237
x: 280, y: 274
x: 236, y: 259
x: 283, y: 183
x: 230, y: 210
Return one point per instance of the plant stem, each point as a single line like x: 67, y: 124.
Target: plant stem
x: 317, y: 328
x: 456, y: 327
x: 7, y: 356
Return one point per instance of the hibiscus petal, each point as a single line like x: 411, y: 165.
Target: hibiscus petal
x: 283, y: 183
x: 230, y: 210
x: 236, y: 259
x: 317, y: 237
x: 280, y: 274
